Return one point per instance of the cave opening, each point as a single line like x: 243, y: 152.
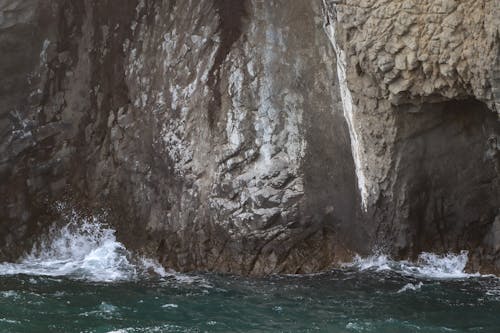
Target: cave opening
x: 447, y: 176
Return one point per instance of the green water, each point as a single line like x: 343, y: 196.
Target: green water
x: 348, y: 300
x: 80, y: 278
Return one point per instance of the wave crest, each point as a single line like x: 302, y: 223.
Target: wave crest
x: 85, y: 248
x: 428, y: 265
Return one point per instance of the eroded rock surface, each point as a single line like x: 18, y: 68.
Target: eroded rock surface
x: 210, y: 130
x: 237, y: 136
x: 422, y: 86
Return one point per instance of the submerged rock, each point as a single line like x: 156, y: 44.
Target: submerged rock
x: 238, y: 136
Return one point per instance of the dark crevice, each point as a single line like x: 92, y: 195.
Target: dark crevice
x: 231, y: 15
x: 445, y: 177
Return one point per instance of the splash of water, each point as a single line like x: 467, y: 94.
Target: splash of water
x: 411, y: 286
x: 442, y: 266
x: 87, y: 249
x: 84, y: 249
x: 428, y: 265
x: 378, y: 262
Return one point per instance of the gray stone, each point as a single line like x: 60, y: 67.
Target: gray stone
x: 237, y: 136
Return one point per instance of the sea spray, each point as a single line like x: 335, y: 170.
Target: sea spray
x: 85, y: 248
x: 342, y: 300
x: 428, y: 265
x: 411, y: 286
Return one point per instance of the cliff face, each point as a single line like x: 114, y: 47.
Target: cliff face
x: 211, y: 130
x: 238, y: 136
x: 421, y: 80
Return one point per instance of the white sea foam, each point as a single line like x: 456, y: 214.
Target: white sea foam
x: 107, y: 308
x: 494, y: 292
x: 354, y: 326
x: 151, y: 329
x: 170, y: 306
x: 428, y: 265
x: 377, y: 262
x: 442, y: 266
x: 411, y: 286
x: 84, y: 249
x: 9, y: 294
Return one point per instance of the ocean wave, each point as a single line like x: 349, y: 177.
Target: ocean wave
x: 86, y: 249
x: 411, y: 286
x: 428, y: 265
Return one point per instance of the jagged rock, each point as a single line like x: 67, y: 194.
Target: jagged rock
x: 423, y: 138
x: 210, y: 130
x: 238, y: 136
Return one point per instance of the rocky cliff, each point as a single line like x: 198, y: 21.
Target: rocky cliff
x: 421, y: 83
x: 252, y: 136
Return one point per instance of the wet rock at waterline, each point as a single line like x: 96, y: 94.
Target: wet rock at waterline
x: 254, y: 137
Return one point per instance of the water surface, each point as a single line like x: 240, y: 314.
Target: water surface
x: 83, y: 280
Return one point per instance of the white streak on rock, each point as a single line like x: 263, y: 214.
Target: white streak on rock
x: 348, y: 107
x: 43, y: 53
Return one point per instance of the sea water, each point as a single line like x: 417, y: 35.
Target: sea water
x: 81, y: 279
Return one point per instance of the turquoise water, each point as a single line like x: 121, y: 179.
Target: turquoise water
x: 341, y: 301
x: 81, y: 279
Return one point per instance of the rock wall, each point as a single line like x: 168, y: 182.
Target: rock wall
x: 251, y: 136
x: 422, y: 83
x: 25, y: 27
x: 211, y: 131
x: 229, y: 98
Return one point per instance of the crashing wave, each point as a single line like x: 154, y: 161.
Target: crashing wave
x: 85, y: 249
x: 428, y: 265
x: 411, y: 286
